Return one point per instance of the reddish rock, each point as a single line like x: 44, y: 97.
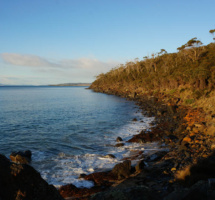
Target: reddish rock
x: 102, y: 178
x: 144, y: 136
x: 74, y: 192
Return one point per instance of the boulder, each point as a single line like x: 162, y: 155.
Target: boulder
x: 119, y: 139
x: 122, y: 170
x: 140, y: 166
x: 128, y: 193
x: 23, y: 182
x: 156, y: 156
x: 110, y: 156
x: 82, y: 176
x: 21, y: 157
x: 72, y: 192
x: 119, y: 145
x: 101, y: 178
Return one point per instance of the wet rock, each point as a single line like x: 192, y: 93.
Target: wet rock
x: 67, y: 190
x: 156, y: 156
x: 134, y: 120
x: 109, y: 156
x: 82, y: 176
x: 119, y: 139
x: 23, y: 182
x: 140, y: 166
x: 21, y: 157
x: 122, y: 170
x: 119, y: 145
x: 101, y: 178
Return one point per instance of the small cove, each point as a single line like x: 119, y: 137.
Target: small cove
x: 68, y: 129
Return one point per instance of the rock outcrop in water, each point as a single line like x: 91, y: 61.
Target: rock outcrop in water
x: 21, y: 157
x: 23, y: 182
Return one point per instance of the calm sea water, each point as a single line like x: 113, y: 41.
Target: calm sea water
x: 68, y: 129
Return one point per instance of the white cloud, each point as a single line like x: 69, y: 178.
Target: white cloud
x: 65, y: 70
x: 26, y: 60
x: 36, y: 62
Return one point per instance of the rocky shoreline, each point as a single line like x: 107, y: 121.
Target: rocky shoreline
x: 185, y: 171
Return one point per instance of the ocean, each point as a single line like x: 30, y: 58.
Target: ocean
x: 68, y: 129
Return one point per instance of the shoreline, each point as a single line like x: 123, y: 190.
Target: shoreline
x: 185, y: 171
x: 179, y: 127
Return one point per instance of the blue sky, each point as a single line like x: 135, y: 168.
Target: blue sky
x: 61, y: 41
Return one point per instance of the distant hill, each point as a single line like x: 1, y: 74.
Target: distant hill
x: 72, y: 84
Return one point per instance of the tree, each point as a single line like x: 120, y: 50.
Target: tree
x: 181, y: 48
x: 163, y: 51
x: 212, y: 31
x: 194, y: 43
x: 192, y: 49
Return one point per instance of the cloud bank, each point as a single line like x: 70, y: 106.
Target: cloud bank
x: 83, y: 69
x: 37, y: 62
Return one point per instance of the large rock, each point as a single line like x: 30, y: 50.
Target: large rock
x: 101, y: 178
x: 70, y: 191
x: 23, y: 182
x: 122, y: 170
x: 128, y: 193
x: 140, y: 166
x: 119, y: 139
x: 21, y: 157
x: 156, y: 156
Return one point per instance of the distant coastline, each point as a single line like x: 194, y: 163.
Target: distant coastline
x: 71, y: 84
x: 63, y: 84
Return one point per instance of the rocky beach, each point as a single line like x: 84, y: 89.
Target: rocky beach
x: 183, y: 168
x: 107, y: 100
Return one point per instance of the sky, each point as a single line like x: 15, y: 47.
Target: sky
x: 70, y: 41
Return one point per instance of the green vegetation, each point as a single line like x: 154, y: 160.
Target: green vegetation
x: 189, y: 101
x: 188, y: 74
x: 212, y: 31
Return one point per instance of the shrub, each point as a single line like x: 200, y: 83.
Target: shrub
x: 189, y: 101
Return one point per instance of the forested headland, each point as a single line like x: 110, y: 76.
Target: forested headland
x: 188, y: 74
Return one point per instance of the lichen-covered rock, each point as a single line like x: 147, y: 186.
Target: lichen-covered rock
x: 23, y: 182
